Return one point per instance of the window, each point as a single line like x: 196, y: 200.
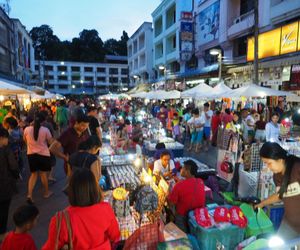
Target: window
x: 174, y: 42
x: 76, y: 78
x: 36, y: 67
x: 113, y: 80
x: 158, y: 26
x: 75, y: 69
x: 88, y: 78
x: 101, y: 70
x: 171, y: 16
x: 88, y: 69
x: 62, y: 68
x: 124, y: 80
x: 51, y: 86
x: 113, y: 71
x: 124, y: 71
x: 48, y: 67
x: 101, y: 79
x: 240, y: 46
x: 63, y: 86
x: 246, y: 6
x: 62, y: 78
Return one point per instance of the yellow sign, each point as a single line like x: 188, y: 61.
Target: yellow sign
x: 275, y: 42
x: 289, y: 35
x: 268, y: 45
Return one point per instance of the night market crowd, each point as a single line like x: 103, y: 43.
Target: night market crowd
x: 74, y: 131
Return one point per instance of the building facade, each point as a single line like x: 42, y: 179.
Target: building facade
x: 83, y: 78
x: 228, y: 26
x: 140, y: 54
x: 7, y: 53
x: 167, y: 37
x: 24, y: 53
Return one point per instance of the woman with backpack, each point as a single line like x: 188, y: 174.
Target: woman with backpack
x: 86, y: 156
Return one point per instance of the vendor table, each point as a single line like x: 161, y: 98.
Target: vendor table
x: 176, y: 148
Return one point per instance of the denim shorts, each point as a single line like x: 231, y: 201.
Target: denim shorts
x: 207, y: 132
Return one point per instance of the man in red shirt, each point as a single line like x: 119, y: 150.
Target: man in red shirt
x: 187, y: 194
x: 25, y: 219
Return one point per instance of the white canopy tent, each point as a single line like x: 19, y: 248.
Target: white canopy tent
x: 162, y: 95
x: 114, y: 96
x: 7, y: 88
x: 47, y: 95
x: 215, y: 92
x: 200, y: 90
x: 139, y: 95
x: 252, y: 90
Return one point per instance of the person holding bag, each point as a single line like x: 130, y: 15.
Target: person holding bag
x: 88, y: 223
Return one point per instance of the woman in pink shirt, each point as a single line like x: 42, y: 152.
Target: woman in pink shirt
x: 37, y: 139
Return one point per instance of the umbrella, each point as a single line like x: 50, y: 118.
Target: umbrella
x: 253, y: 90
x: 7, y: 88
x: 199, y: 90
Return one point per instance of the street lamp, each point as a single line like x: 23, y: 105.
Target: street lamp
x: 73, y: 86
x: 161, y: 67
x: 218, y: 52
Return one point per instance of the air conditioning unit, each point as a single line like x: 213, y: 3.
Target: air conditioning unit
x: 237, y: 20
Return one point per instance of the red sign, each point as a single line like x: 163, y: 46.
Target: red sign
x: 295, y: 78
x: 188, y: 16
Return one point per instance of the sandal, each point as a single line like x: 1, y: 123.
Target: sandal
x: 48, y: 195
x: 29, y: 201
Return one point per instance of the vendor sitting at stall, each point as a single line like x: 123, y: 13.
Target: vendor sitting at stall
x: 161, y: 147
x: 187, y: 194
x: 164, y: 166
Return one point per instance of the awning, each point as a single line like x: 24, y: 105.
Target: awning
x: 9, y: 88
x: 279, y: 62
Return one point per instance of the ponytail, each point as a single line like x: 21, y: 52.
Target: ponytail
x: 39, y: 118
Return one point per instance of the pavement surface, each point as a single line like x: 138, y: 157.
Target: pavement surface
x: 58, y: 201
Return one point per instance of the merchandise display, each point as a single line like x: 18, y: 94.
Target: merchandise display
x: 122, y: 174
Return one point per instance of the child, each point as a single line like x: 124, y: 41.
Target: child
x: 176, y: 127
x: 25, y: 218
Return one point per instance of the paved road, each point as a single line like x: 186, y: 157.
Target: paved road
x: 48, y: 207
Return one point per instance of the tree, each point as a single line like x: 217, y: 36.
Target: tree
x: 123, y: 44
x: 45, y: 42
x: 111, y: 46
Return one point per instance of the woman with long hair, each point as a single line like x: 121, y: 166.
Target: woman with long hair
x: 37, y: 138
x: 286, y: 169
x: 89, y: 220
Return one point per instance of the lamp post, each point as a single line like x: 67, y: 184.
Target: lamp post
x: 218, y: 52
x: 136, y: 79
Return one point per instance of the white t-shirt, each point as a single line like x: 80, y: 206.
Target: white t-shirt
x: 196, y: 122
x: 208, y: 120
x: 251, y: 121
x: 159, y: 169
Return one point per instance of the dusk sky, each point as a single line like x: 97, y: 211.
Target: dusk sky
x: 68, y: 17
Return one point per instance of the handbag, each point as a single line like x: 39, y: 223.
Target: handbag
x: 59, y: 216
x: 227, y: 167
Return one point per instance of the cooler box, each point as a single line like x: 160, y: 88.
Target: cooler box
x: 257, y: 223
x: 210, y: 238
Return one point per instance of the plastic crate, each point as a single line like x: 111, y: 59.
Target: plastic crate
x: 209, y: 238
x: 275, y: 213
x: 257, y: 223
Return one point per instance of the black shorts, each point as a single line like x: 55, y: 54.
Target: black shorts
x: 39, y: 163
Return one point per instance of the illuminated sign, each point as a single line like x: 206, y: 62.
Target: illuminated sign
x: 289, y: 37
x: 275, y: 42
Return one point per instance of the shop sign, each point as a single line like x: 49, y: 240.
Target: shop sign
x: 289, y: 36
x: 186, y: 46
x: 185, y: 55
x: 186, y: 27
x: 295, y: 78
x: 188, y: 16
x: 186, y: 36
x: 275, y: 42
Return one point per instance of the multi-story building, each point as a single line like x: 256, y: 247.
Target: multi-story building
x: 83, y: 78
x: 140, y: 54
x: 228, y: 26
x: 6, y: 45
x: 24, y: 53
x: 167, y: 53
